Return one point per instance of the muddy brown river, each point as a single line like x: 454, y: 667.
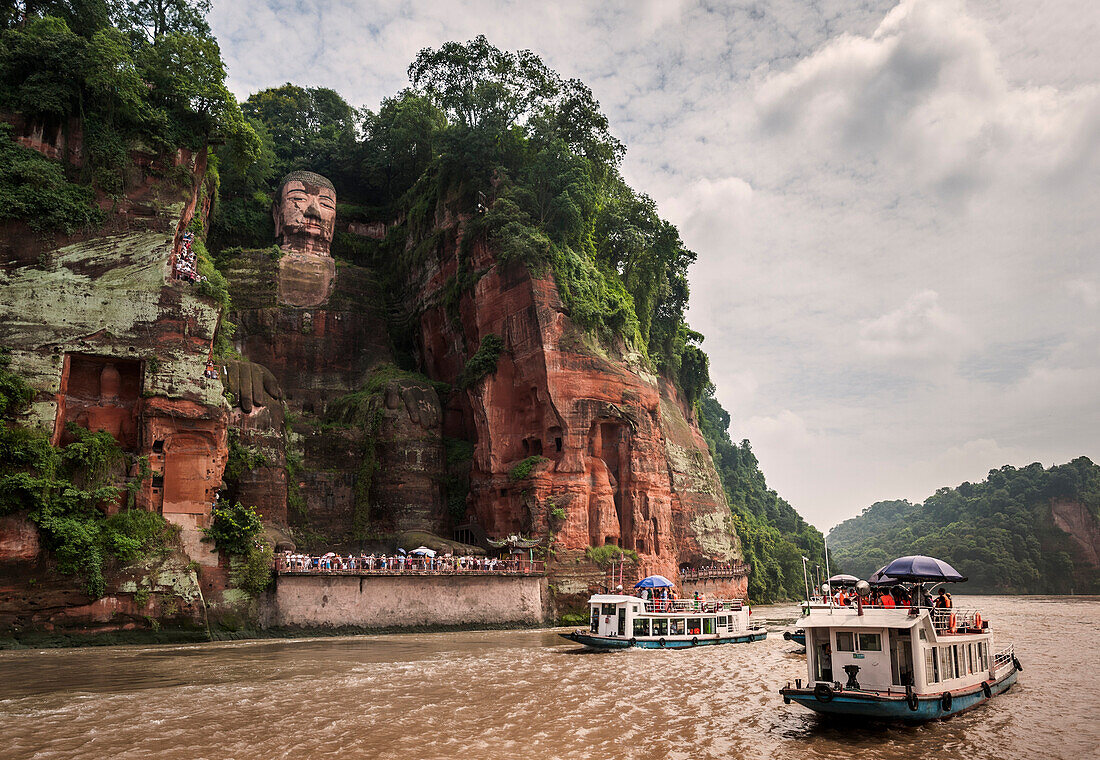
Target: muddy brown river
x: 519, y: 694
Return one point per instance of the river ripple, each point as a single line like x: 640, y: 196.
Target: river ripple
x: 515, y: 694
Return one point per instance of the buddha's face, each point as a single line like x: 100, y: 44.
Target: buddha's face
x: 305, y: 216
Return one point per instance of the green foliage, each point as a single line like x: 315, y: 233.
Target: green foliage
x: 64, y: 491
x: 522, y: 470
x: 234, y: 528
x: 34, y: 188
x: 605, y: 555
x: 254, y: 573
x: 147, y: 74
x: 242, y: 459
x: 1000, y: 532
x: 483, y: 363
x: 14, y: 391
x: 774, y: 537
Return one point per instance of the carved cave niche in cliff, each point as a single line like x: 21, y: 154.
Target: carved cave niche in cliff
x: 188, y: 472
x: 554, y: 442
x: 100, y: 393
x: 610, y: 518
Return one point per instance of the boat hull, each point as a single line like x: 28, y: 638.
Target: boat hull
x: 600, y: 642
x: 895, y: 707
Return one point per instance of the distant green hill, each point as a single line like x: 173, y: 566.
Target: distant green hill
x: 1027, y: 531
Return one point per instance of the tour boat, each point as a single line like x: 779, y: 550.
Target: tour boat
x: 618, y: 621
x: 911, y: 663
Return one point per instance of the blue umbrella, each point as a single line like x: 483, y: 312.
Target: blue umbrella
x: 654, y: 581
x: 879, y: 578
x: 920, y: 568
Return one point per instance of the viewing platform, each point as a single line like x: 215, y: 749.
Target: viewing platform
x: 303, y: 565
x: 732, y: 570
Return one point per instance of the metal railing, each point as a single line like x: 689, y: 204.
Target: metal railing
x: 693, y: 605
x: 957, y: 621
x: 1004, y: 658
x: 322, y: 565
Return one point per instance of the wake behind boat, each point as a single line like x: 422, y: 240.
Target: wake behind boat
x: 914, y: 662
x: 619, y: 621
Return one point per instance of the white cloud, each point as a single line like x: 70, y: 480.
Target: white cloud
x: 919, y: 329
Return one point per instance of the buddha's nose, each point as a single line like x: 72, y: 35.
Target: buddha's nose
x: 313, y: 209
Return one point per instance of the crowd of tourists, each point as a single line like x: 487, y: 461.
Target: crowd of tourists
x: 890, y: 598
x: 186, y: 265
x: 721, y: 570
x: 289, y: 562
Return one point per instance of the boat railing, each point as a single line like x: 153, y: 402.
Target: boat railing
x: 693, y: 605
x: 1004, y: 658
x: 953, y: 620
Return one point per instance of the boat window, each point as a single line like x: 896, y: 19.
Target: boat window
x: 981, y: 656
x: 677, y: 627
x: 608, y: 609
x: 946, y: 671
x: 641, y: 626
x: 870, y: 642
x: 708, y: 625
x: 695, y: 626
x: 931, y: 672
x: 955, y: 661
x: 969, y: 658
x: 660, y: 627
x: 844, y: 641
x: 724, y: 621
x: 595, y: 619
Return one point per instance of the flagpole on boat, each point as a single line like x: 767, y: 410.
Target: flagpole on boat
x: 805, y: 577
x: 828, y: 573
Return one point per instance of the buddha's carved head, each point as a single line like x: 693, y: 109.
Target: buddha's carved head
x: 305, y: 213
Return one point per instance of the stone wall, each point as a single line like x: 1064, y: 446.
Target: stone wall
x: 332, y: 601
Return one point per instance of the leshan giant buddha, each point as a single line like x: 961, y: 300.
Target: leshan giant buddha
x: 305, y: 218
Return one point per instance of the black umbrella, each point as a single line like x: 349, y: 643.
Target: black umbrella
x: 920, y: 569
x: 879, y: 578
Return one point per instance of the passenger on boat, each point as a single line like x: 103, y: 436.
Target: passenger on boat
x: 887, y: 600
x: 943, y: 601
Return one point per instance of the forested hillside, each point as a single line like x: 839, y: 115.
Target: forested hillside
x: 1007, y: 533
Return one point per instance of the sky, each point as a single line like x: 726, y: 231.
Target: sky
x: 895, y: 205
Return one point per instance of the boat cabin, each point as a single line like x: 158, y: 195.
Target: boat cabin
x: 658, y: 620
x: 889, y: 649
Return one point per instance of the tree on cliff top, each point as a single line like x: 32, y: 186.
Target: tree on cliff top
x: 151, y: 20
x: 67, y: 60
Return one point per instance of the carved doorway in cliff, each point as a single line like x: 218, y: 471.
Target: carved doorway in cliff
x: 100, y: 393
x: 188, y: 473
x: 609, y: 447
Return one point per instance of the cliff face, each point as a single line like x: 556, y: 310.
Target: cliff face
x: 573, y: 441
x: 110, y: 341
x: 618, y: 461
